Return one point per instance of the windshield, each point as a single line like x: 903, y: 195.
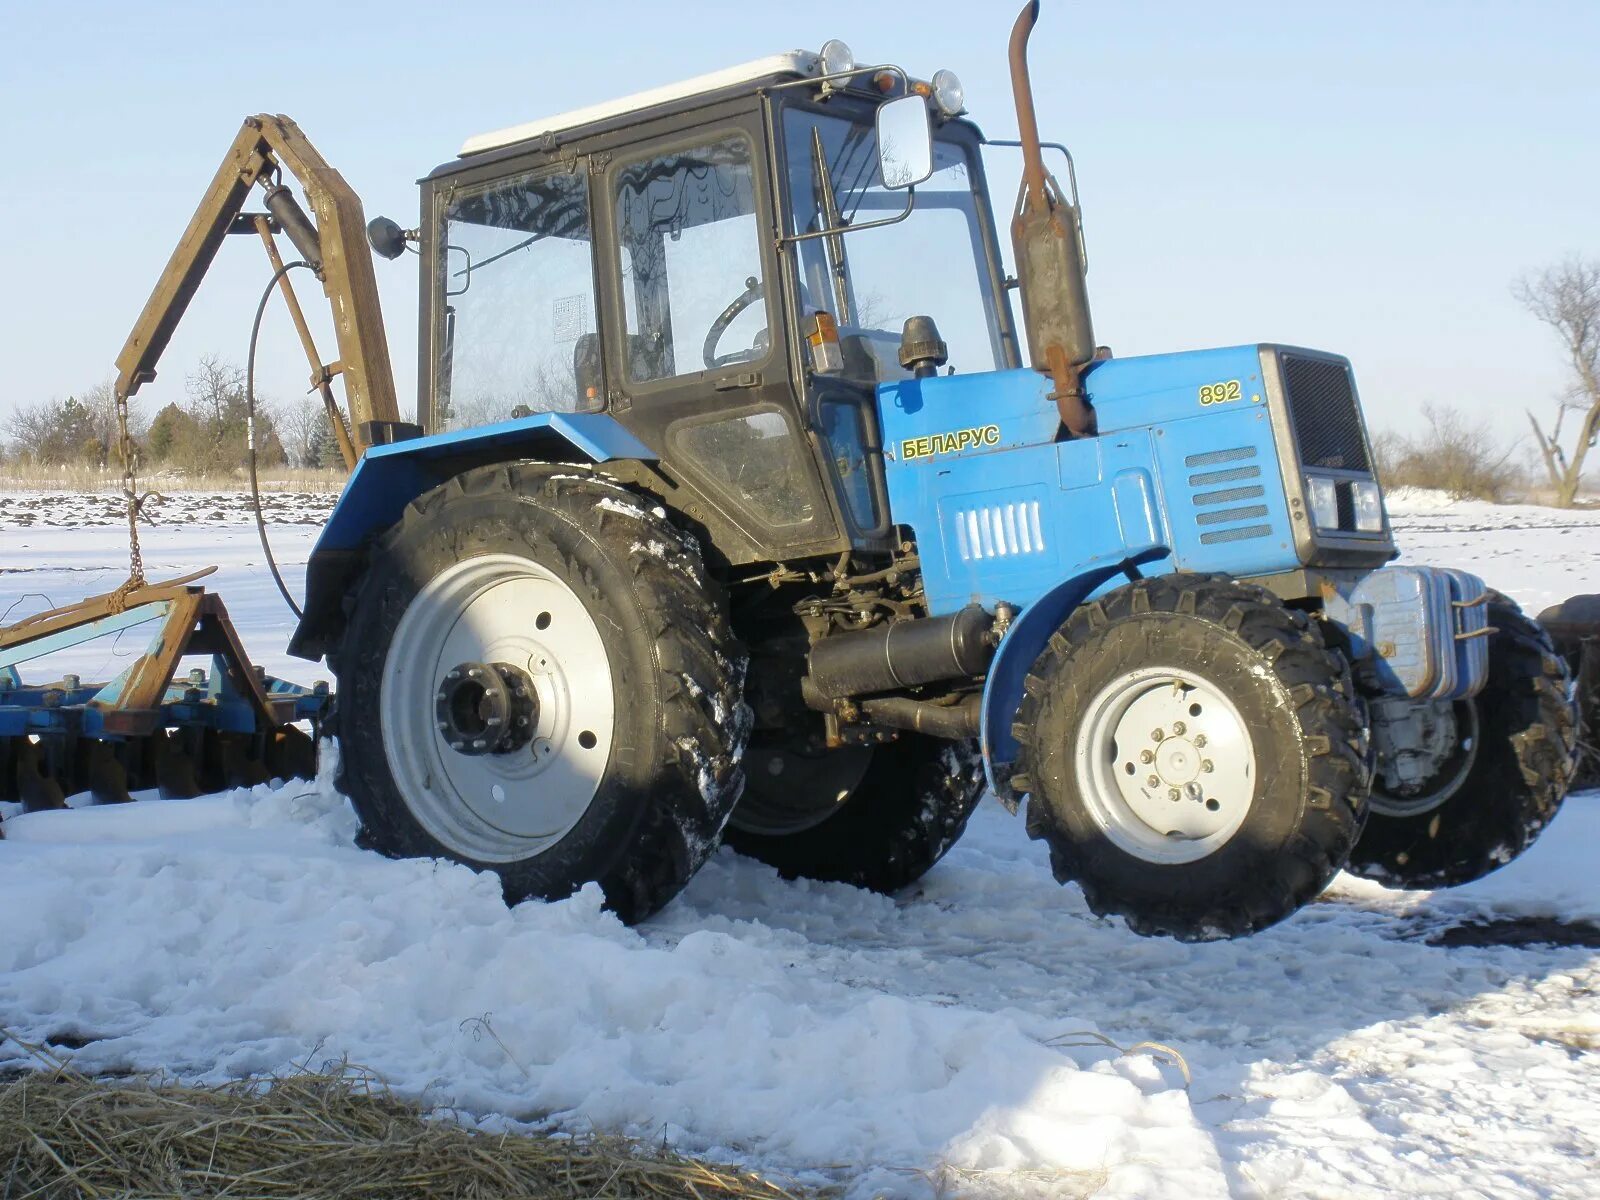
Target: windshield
x: 932, y: 263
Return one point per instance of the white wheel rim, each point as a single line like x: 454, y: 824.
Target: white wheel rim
x: 1180, y: 731
x: 499, y: 807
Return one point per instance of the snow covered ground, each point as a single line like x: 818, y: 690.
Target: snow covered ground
x: 950, y: 1041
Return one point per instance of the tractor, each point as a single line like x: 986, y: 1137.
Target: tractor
x: 740, y: 508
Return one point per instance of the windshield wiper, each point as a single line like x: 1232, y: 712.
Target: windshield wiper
x: 478, y: 266
x: 832, y: 220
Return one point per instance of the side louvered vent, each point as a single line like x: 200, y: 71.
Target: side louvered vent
x: 998, y: 531
x: 1227, y: 500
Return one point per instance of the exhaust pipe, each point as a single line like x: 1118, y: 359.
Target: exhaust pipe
x: 1047, y: 236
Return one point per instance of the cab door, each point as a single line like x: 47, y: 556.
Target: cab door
x: 697, y: 355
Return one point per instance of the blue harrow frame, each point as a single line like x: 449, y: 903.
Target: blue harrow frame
x: 226, y: 725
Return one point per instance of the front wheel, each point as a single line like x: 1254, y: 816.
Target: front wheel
x: 538, y: 679
x: 1464, y: 787
x: 1194, y: 757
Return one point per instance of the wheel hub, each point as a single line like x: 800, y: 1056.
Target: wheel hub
x: 486, y: 708
x: 1177, y: 762
x: 1166, y: 765
x: 1425, y: 751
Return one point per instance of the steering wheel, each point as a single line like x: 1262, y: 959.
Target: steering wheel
x: 753, y: 291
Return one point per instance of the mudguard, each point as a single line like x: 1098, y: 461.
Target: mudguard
x: 1026, y: 640
x: 390, y: 477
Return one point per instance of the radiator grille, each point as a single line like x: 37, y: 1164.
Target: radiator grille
x: 1226, y: 514
x: 1322, y: 406
x: 998, y: 531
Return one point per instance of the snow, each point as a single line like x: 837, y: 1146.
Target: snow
x: 960, y: 1039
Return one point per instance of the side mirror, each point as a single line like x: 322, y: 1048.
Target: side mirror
x: 386, y: 238
x: 905, y: 145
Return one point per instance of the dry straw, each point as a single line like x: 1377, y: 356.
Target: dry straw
x: 310, y: 1135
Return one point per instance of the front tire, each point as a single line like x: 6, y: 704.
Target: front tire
x: 538, y: 679
x: 1194, y: 757
x: 1503, y: 784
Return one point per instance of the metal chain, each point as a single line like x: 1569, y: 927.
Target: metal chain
x: 130, y: 493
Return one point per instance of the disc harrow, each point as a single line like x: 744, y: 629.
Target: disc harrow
x: 226, y: 725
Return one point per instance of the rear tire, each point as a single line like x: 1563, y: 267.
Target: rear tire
x: 629, y: 708
x: 910, y: 805
x: 1161, y: 680
x: 1513, y: 785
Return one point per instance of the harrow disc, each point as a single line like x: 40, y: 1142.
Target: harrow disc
x: 38, y: 787
x: 104, y: 770
x: 291, y: 753
x: 176, y: 766
x: 239, y: 758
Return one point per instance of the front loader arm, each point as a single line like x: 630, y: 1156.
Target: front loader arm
x: 335, y: 246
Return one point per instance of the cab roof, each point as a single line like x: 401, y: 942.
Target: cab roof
x: 797, y: 63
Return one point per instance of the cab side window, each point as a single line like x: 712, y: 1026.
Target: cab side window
x: 694, y: 296
x: 518, y: 285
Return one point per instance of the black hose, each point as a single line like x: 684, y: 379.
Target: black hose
x: 250, y: 431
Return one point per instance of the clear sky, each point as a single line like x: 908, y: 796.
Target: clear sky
x: 1364, y: 177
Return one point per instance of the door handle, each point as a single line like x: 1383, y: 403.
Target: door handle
x: 746, y: 379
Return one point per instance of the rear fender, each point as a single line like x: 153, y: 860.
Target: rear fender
x: 390, y: 477
x: 1026, y: 640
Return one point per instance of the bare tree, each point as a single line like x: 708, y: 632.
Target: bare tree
x: 1454, y: 454
x: 216, y: 394
x: 1566, y: 297
x: 300, y: 422
x: 78, y: 429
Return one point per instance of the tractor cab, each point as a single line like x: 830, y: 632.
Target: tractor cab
x: 692, y: 261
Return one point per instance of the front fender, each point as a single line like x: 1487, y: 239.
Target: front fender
x: 1026, y: 640
x: 390, y: 477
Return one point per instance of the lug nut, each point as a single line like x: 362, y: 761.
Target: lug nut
x: 1207, y: 766
x: 1193, y: 789
x: 1155, y: 781
x: 1179, y: 728
x: 1157, y: 735
x: 1147, y: 756
x: 1173, y: 793
x: 1200, y: 741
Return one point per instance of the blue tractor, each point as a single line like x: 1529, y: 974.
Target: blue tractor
x: 742, y: 510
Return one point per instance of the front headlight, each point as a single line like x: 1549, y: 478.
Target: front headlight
x: 1323, y: 494
x: 1368, y: 499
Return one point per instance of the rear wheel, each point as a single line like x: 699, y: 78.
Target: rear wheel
x: 1193, y: 755
x: 877, y: 817
x: 1498, y: 766
x: 546, y: 687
